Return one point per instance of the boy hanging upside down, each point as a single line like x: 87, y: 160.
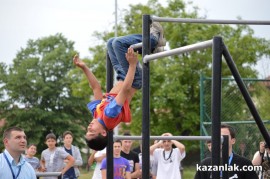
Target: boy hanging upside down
x: 112, y: 108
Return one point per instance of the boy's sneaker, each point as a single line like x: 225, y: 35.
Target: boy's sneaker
x: 157, y: 31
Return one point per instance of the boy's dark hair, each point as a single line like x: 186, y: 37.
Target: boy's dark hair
x: 50, y: 136
x: 29, y: 145
x: 98, y: 143
x: 66, y: 133
x: 230, y: 128
x: 118, y: 141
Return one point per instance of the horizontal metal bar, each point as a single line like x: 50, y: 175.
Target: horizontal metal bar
x: 244, y: 79
x: 135, y: 46
x: 237, y: 122
x: 209, y: 21
x: 48, y: 174
x: 176, y: 51
x: 164, y: 137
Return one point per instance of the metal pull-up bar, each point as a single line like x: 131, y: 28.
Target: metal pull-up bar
x: 178, y: 51
x: 135, y: 46
x: 165, y: 137
x: 48, y: 174
x: 209, y: 21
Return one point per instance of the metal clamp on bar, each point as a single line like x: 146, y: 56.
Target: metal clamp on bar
x: 180, y: 50
x: 48, y: 174
x: 135, y: 46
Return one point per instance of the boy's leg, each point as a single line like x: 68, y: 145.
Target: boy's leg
x: 120, y: 46
x: 117, y: 48
x: 116, y: 65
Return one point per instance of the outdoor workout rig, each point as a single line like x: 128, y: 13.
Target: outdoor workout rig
x: 218, y: 49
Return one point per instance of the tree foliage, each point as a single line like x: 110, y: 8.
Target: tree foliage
x: 36, y: 91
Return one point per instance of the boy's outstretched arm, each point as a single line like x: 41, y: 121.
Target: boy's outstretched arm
x: 132, y: 59
x: 93, y: 82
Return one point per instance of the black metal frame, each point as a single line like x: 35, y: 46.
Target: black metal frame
x: 219, y: 49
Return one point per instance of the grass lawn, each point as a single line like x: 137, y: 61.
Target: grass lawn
x: 189, y: 173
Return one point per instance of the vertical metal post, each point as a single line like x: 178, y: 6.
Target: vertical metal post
x: 201, y: 114
x: 116, y: 129
x: 225, y: 155
x: 109, y: 85
x: 145, y: 101
x: 246, y: 95
x: 216, y: 103
x: 116, y: 14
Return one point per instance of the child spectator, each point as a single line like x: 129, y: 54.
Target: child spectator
x: 74, y: 151
x: 168, y: 158
x: 52, y: 159
x: 97, y: 156
x: 30, y: 156
x: 120, y: 164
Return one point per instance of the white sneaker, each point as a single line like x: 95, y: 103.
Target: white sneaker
x: 157, y: 31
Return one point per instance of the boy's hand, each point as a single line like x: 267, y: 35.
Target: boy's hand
x: 78, y: 62
x: 42, y: 169
x: 132, y: 57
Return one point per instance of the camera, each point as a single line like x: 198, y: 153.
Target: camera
x: 265, y: 145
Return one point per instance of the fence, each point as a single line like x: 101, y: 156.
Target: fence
x: 236, y: 113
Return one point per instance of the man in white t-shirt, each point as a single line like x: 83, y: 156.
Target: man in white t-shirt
x: 168, y: 158
x: 98, y: 157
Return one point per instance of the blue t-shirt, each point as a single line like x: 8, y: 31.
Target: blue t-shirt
x: 111, y: 110
x: 108, y: 112
x: 71, y: 172
x: 34, y: 162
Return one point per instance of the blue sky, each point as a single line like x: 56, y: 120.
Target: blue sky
x: 21, y: 20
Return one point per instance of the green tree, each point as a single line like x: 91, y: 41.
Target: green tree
x: 36, y: 91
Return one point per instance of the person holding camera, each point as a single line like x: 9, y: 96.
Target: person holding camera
x: 262, y: 157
